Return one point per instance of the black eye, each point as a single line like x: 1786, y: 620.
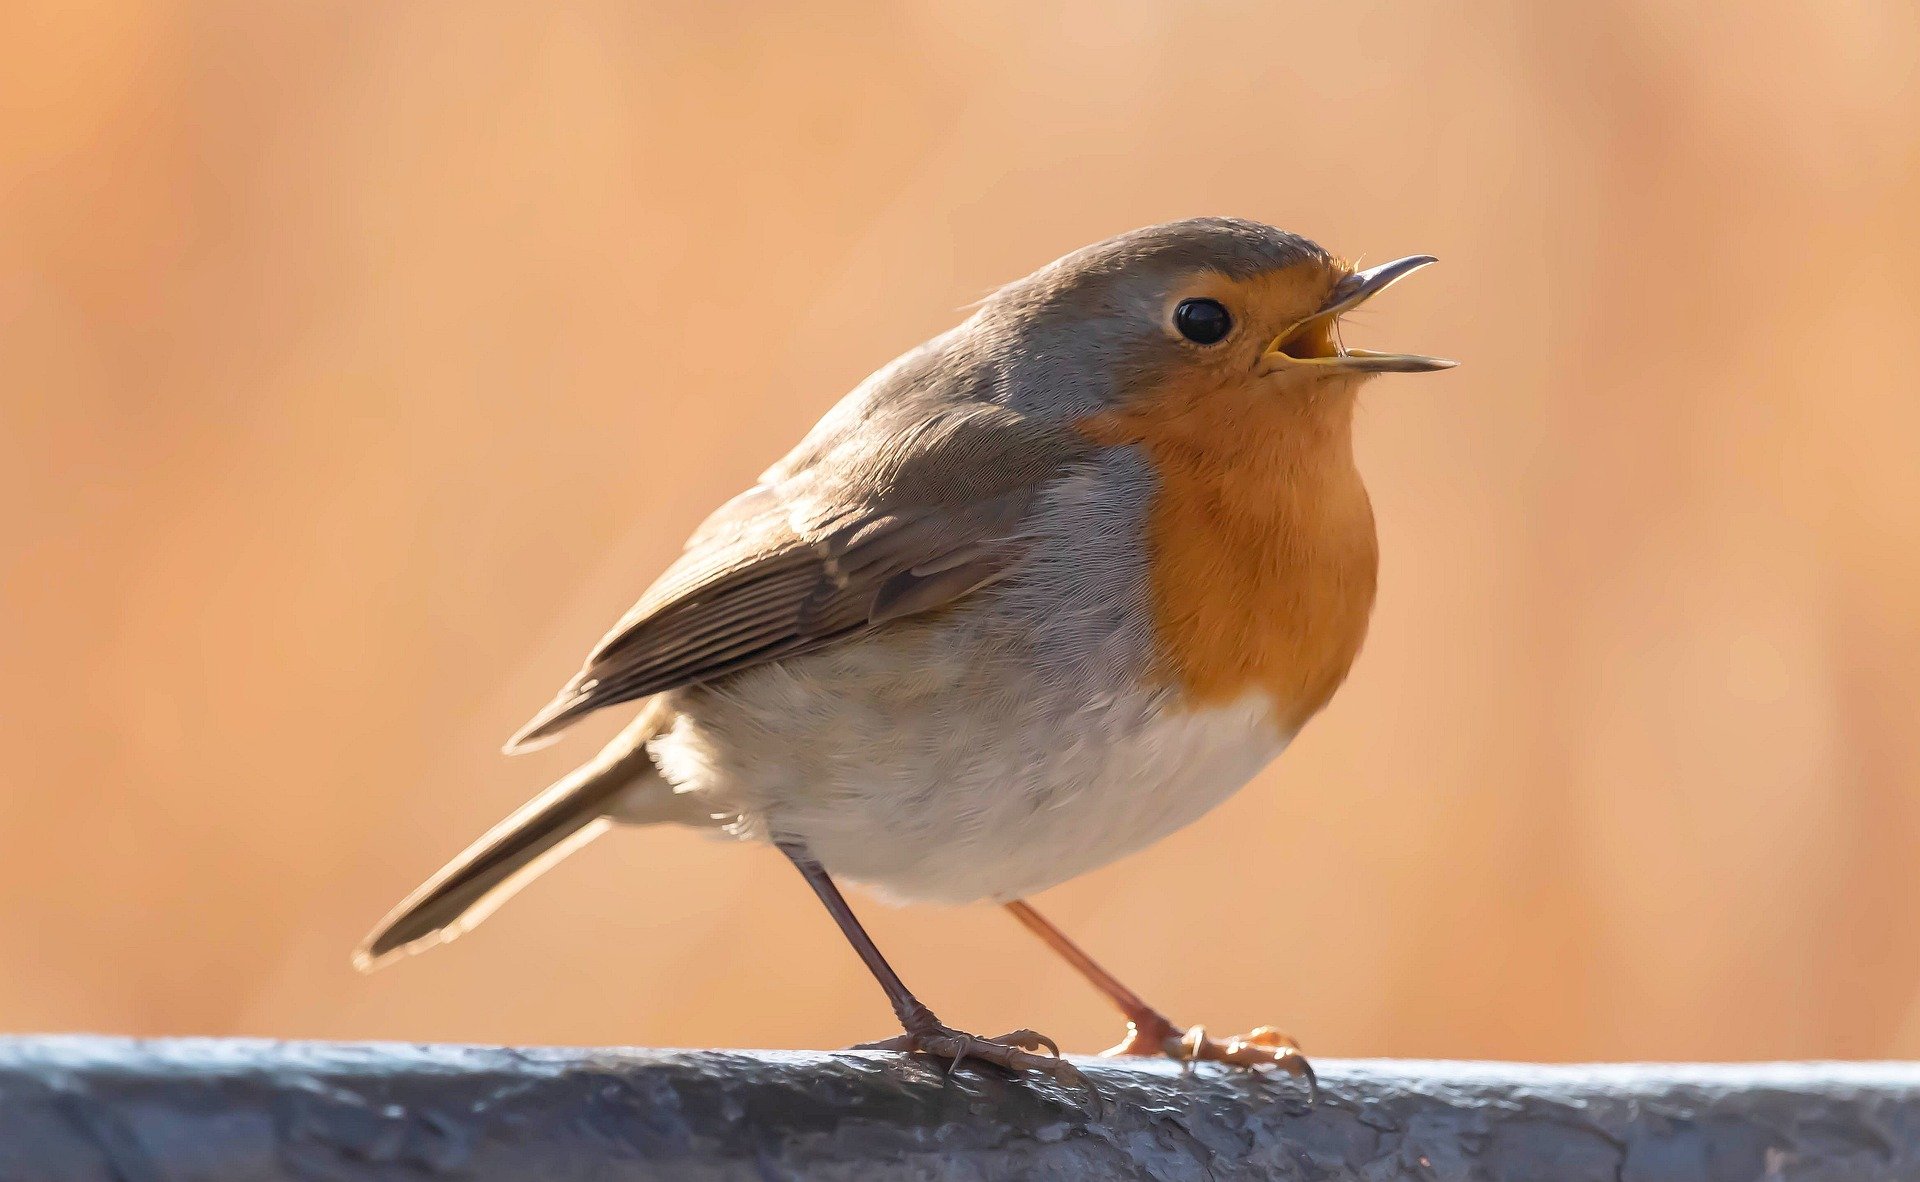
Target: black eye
x: 1204, y: 322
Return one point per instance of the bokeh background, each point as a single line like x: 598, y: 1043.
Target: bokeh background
x: 359, y: 364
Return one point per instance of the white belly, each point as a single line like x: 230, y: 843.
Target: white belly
x: 954, y: 794
x: 989, y: 750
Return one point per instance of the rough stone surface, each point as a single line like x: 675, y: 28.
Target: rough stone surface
x: 76, y: 1109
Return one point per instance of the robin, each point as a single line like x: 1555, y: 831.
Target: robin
x: 1034, y: 595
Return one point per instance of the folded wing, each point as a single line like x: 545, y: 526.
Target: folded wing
x: 912, y: 520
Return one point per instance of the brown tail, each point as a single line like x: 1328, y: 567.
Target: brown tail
x: 519, y: 849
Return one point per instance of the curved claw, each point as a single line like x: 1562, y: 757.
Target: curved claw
x: 1303, y: 1070
x: 1194, y: 1044
x: 1029, y: 1040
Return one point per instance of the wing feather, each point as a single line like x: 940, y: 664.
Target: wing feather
x: 816, y: 554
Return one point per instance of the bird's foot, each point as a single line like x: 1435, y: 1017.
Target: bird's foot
x: 1262, y: 1047
x: 1014, y: 1051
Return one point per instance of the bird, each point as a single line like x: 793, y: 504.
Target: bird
x: 1034, y: 595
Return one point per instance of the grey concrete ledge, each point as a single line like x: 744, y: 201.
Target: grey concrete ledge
x: 76, y: 1109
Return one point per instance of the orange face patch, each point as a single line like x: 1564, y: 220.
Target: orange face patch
x: 1261, y: 540
x: 1262, y: 307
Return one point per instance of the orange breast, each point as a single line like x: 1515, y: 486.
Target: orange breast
x: 1262, y: 546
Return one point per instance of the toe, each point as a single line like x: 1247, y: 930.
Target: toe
x: 1070, y: 1076
x: 1008, y: 1053
x: 1267, y: 1047
x: 1014, y: 1051
x: 1030, y: 1040
x: 1270, y: 1036
x: 1061, y: 1072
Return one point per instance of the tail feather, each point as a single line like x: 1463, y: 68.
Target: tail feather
x: 519, y: 849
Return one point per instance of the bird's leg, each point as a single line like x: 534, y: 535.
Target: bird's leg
x: 1150, y: 1032
x: 924, y: 1032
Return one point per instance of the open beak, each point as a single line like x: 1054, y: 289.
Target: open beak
x: 1315, y: 341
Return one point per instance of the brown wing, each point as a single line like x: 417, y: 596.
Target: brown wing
x: 909, y: 520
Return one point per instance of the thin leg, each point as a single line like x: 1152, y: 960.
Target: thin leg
x: 1150, y: 1032
x: 1147, y: 1028
x: 909, y: 1009
x: 923, y: 1031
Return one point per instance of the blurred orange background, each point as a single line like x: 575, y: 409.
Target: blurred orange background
x: 361, y: 363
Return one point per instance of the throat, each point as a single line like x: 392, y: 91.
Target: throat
x: 1262, y: 548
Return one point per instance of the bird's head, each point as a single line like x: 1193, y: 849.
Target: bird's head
x: 1197, y: 310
